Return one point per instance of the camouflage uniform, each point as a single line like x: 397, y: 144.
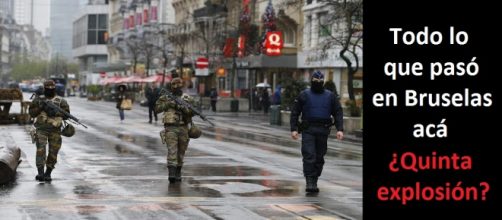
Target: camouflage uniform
x: 48, y: 130
x: 176, y: 120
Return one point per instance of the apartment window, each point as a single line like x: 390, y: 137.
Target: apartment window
x: 289, y: 36
x: 92, y: 22
x: 97, y: 28
x: 80, y: 32
x: 324, y: 26
x: 92, y: 37
x: 102, y: 21
x: 308, y: 25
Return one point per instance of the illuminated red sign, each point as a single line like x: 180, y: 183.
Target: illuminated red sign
x: 242, y: 46
x: 274, y: 43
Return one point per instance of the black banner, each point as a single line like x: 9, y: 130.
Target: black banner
x: 431, y: 100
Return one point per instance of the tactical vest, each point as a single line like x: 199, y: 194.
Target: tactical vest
x: 173, y: 117
x: 43, y: 121
x: 317, y: 106
x: 57, y: 101
x: 176, y: 117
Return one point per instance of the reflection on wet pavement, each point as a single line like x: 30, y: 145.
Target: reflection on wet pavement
x: 119, y: 172
x: 211, y: 170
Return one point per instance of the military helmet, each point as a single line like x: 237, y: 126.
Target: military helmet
x: 49, y: 84
x: 176, y: 83
x: 194, y: 132
x: 68, y: 130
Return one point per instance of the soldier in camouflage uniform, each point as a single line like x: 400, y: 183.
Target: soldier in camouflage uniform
x: 48, y: 124
x: 176, y: 120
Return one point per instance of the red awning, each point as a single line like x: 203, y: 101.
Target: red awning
x: 130, y: 79
x: 157, y: 78
x: 110, y: 80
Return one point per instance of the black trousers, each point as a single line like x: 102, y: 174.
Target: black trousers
x: 151, y: 110
x: 314, y: 147
x: 213, y: 105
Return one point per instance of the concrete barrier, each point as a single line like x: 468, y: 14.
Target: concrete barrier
x: 9, y: 160
x: 223, y: 105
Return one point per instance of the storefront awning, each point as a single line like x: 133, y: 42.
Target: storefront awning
x: 283, y: 61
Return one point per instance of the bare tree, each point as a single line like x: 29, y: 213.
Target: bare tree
x: 134, y: 46
x: 148, y: 50
x: 209, y: 33
x: 179, y: 40
x: 165, y: 48
x: 342, y: 29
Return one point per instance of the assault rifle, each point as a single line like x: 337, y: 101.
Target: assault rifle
x: 184, y: 104
x: 56, y: 109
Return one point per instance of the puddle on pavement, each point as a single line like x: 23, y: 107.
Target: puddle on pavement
x: 275, y: 188
x: 122, y: 149
x: 138, y: 169
x: 90, y: 210
x: 219, y: 170
x: 103, y: 146
x: 155, y: 144
x: 84, y: 190
x: 198, y: 170
x: 162, y: 187
x: 87, y: 192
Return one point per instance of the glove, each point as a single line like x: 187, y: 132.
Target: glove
x: 37, y: 101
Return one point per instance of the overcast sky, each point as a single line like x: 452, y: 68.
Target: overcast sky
x: 41, y: 18
x: 41, y: 15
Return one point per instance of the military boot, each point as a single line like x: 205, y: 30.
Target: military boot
x: 172, y: 174
x: 47, y: 175
x: 178, y: 173
x: 40, y: 176
x: 311, y: 184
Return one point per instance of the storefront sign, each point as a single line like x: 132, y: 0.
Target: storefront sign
x: 274, y: 43
x: 242, y: 46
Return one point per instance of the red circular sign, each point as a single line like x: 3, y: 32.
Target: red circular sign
x: 202, y: 63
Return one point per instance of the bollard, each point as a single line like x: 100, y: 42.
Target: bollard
x: 9, y: 160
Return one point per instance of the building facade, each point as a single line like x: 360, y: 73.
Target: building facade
x: 7, y: 8
x: 62, y: 13
x: 20, y: 41
x: 314, y: 54
x: 5, y: 67
x: 37, y: 46
x: 23, y: 11
x: 90, y: 33
x: 136, y: 25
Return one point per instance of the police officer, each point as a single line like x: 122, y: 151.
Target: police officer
x: 317, y: 107
x: 48, y: 124
x: 176, y: 119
